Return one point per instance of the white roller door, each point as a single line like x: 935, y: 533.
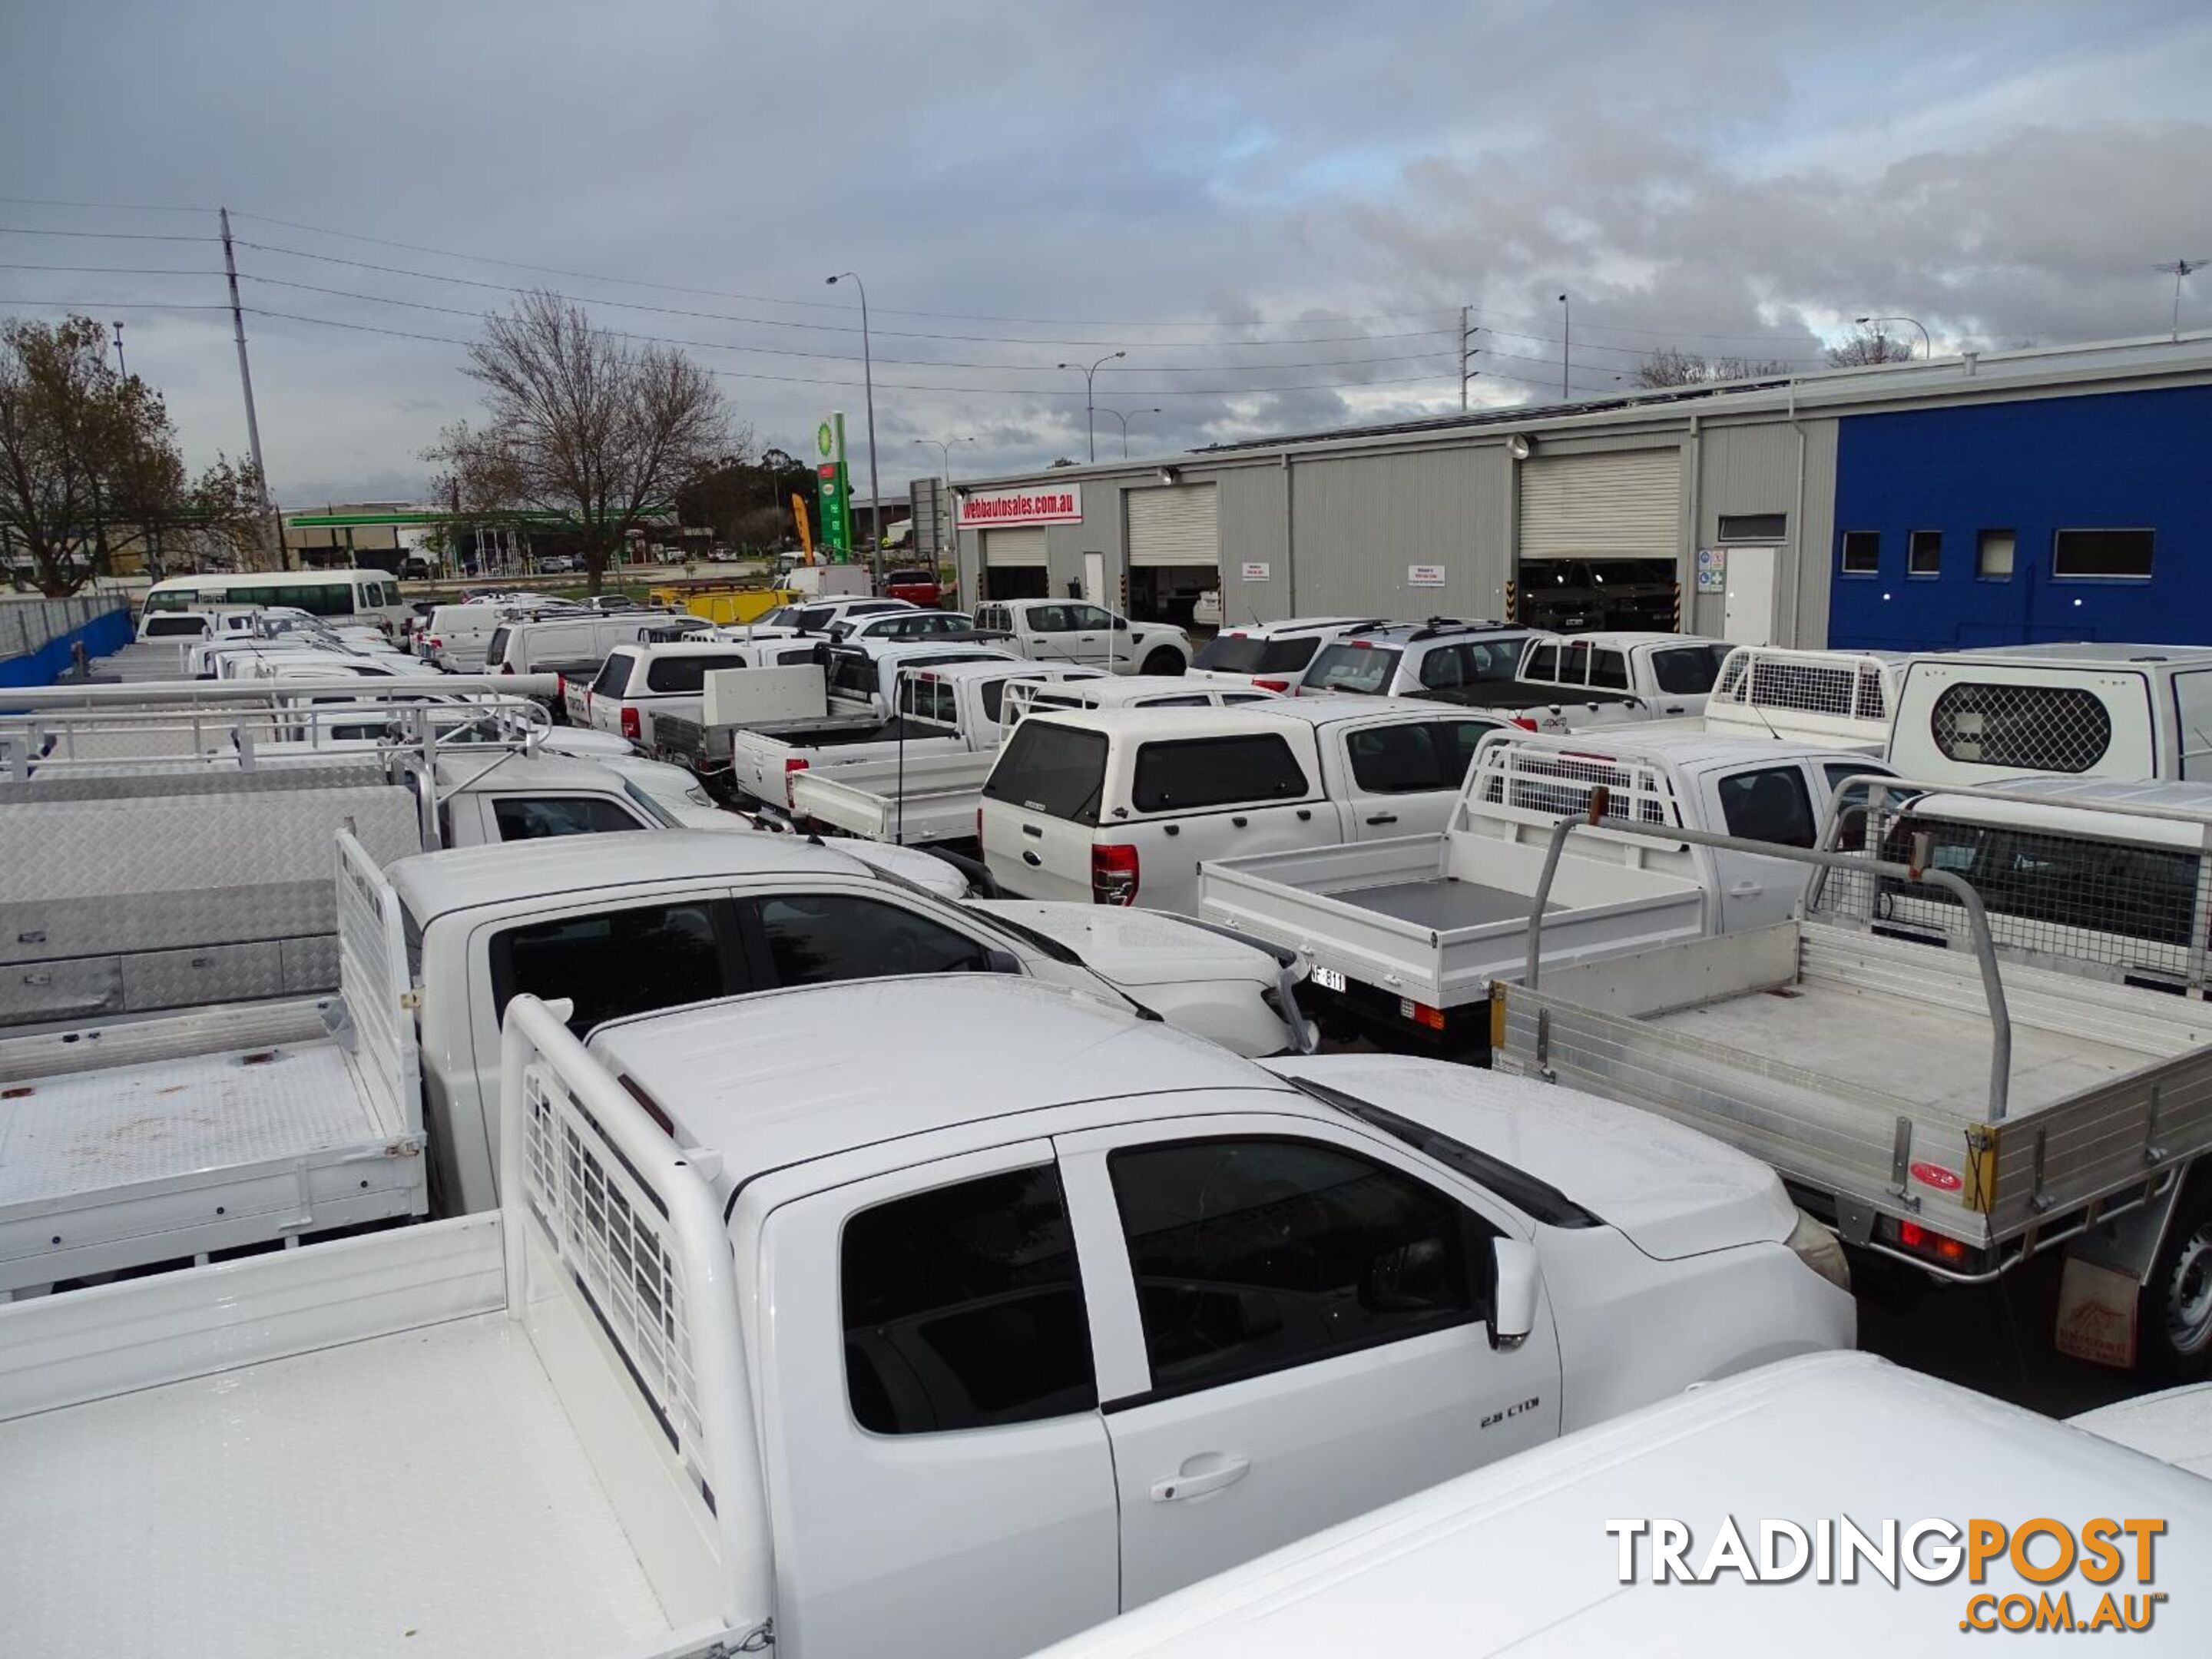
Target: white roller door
x: 1014, y: 549
x: 1626, y: 505
x: 1179, y: 524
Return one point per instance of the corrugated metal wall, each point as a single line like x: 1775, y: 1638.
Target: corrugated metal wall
x: 1752, y: 469
x: 1360, y: 522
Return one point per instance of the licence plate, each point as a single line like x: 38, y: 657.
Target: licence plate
x: 1328, y: 979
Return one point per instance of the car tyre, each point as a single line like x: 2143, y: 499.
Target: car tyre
x: 2173, y: 1322
x: 1164, y: 661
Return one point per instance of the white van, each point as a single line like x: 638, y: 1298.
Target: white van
x: 373, y: 594
x: 215, y: 622
x: 572, y: 646
x: 2106, y: 711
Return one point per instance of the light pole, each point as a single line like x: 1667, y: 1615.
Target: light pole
x: 875, y: 490
x: 1090, y: 424
x: 1566, y: 347
x: 1123, y: 416
x: 119, y: 366
x: 2179, y: 269
x: 948, y: 519
x: 1927, y: 345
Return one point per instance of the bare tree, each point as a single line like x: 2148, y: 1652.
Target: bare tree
x: 1670, y: 366
x: 579, y: 422
x: 1869, y: 345
x: 90, y: 463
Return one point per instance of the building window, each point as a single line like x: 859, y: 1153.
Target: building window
x: 1923, y: 553
x: 2121, y: 553
x: 1754, y: 526
x: 1993, y: 556
x: 1862, y: 552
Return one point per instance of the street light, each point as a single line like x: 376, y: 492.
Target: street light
x: 948, y: 519
x: 119, y: 367
x: 875, y: 489
x: 1927, y: 345
x: 1089, y: 418
x: 1566, y: 347
x: 1123, y: 416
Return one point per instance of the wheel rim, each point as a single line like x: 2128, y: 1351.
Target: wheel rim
x: 2188, y: 1295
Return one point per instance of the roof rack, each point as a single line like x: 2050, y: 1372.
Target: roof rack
x: 1436, y: 626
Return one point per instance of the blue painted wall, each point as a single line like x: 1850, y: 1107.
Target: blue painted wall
x: 2121, y: 460
x: 102, y: 635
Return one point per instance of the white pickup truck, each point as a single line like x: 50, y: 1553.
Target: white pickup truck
x: 1124, y: 805
x: 757, y: 726
x: 921, y: 799
x: 1069, y: 630
x: 149, y: 1139
x: 1405, y: 935
x: 1670, y: 674
x: 975, y: 1351
x: 638, y: 683
x: 2108, y: 711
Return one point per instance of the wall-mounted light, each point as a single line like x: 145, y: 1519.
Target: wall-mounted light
x: 1517, y: 447
x: 1170, y: 475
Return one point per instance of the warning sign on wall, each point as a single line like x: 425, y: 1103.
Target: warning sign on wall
x: 1712, y: 571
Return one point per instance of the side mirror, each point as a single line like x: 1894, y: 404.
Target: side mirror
x: 1517, y: 1279
x: 1121, y: 624
x: 1001, y: 961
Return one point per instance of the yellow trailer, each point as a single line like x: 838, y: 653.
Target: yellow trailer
x: 724, y: 604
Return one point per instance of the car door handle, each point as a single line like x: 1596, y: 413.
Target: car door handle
x: 1032, y: 860
x: 1036, y: 830
x: 1240, y: 823
x: 1383, y: 817
x: 1746, y: 890
x: 1207, y: 1472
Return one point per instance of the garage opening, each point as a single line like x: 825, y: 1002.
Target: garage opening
x: 1175, y: 551
x: 1014, y: 564
x: 1600, y: 540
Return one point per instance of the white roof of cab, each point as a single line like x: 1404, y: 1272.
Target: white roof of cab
x: 1625, y: 638
x: 1681, y: 747
x: 1295, y: 625
x: 990, y: 668
x: 1231, y: 718
x: 2131, y: 811
x: 433, y: 884
x: 780, y: 1077
x: 2084, y: 655
x: 1513, y: 1558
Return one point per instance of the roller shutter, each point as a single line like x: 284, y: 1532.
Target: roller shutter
x: 1176, y: 525
x: 1602, y: 506
x: 1014, y: 549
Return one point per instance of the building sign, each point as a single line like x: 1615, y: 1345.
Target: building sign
x: 1257, y: 573
x: 1712, y: 571
x: 833, y: 485
x: 1425, y: 575
x: 998, y: 509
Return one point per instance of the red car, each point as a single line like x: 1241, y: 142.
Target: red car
x: 915, y: 586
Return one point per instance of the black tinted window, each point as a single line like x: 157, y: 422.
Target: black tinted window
x: 1609, y: 669
x: 175, y: 627
x: 1443, y: 669
x: 1203, y: 772
x: 686, y: 673
x: 1769, y: 806
x: 1255, y: 1256
x: 1351, y: 668
x: 1390, y: 760
x: 495, y: 647
x: 522, y: 818
x: 614, y: 676
x: 623, y: 961
x: 1053, y: 770
x: 2138, y: 892
x: 963, y: 1308
x: 813, y: 939
x: 1687, y: 669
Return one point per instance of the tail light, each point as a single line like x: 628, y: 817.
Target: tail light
x: 1271, y: 685
x: 506, y: 668
x: 434, y: 644
x: 791, y: 763
x: 632, y: 727
x: 1421, y: 1014
x: 1525, y: 723
x: 1113, y: 875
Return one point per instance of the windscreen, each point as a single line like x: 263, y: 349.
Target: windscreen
x: 1050, y: 768
x: 1351, y: 668
x: 161, y: 627
x: 1242, y: 653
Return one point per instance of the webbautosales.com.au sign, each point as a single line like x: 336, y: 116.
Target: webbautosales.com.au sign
x: 998, y: 509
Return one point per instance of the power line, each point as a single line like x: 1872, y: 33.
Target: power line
x: 107, y: 235
x: 117, y: 270
x: 103, y: 207
x: 87, y: 306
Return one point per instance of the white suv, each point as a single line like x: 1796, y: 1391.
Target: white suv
x: 1272, y: 656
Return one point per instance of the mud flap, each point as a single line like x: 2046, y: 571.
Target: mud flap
x: 2097, y: 1314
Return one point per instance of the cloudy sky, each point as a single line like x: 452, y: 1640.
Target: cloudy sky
x: 1276, y: 209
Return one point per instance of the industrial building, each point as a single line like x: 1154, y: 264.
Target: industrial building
x: 2046, y: 494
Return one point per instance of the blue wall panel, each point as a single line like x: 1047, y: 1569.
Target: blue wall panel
x: 102, y: 635
x: 2118, y: 461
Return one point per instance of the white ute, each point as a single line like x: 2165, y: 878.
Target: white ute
x: 950, y: 1348
x: 1121, y: 806
x: 1068, y: 631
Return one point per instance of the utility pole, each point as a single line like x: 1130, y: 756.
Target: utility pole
x: 2181, y: 268
x: 1467, y: 349
x: 246, y: 378
x: 1566, y: 347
